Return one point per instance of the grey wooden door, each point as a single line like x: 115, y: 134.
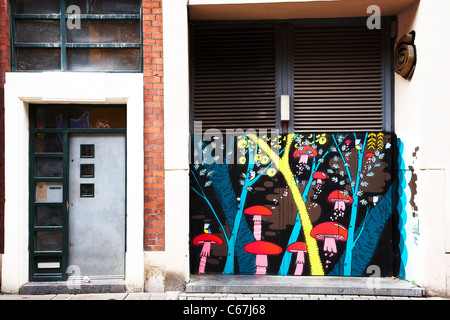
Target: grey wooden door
x: 97, y: 204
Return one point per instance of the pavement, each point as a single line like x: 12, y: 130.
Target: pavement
x: 177, y: 295
x: 235, y: 287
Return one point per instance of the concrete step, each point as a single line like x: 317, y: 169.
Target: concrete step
x: 302, y: 285
x: 73, y: 287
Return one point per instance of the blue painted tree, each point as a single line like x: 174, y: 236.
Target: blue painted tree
x: 216, y: 169
x: 362, y: 238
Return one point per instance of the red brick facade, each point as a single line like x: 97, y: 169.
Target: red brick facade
x: 153, y: 120
x: 154, y: 126
x: 5, y: 66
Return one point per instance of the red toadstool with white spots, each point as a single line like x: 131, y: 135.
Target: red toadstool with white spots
x: 339, y: 199
x: 303, y: 155
x: 368, y: 156
x: 329, y: 232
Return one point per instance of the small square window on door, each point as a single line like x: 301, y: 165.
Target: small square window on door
x: 87, y: 170
x: 87, y: 190
x: 87, y: 151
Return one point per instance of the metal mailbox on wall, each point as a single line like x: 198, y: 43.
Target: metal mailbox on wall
x: 292, y: 204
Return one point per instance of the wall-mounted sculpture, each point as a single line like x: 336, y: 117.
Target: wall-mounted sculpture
x: 406, y: 55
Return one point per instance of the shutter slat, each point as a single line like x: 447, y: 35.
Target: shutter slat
x: 337, y: 79
x: 234, y: 78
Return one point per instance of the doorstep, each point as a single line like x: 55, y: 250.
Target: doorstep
x: 302, y: 285
x: 73, y: 287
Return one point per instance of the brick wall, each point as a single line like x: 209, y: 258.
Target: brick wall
x: 4, y: 67
x: 153, y: 122
x: 154, y: 126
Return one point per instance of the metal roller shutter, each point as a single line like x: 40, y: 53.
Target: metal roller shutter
x: 334, y: 73
x: 234, y: 78
x: 338, y: 79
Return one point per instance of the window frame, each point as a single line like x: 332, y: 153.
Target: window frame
x: 63, y: 45
x: 284, y: 60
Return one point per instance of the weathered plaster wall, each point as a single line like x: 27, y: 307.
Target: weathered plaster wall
x: 421, y: 123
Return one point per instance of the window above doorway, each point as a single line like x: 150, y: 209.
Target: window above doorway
x: 77, y: 35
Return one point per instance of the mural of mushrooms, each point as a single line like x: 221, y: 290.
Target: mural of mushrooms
x: 368, y: 156
x: 262, y: 249
x: 300, y: 249
x: 319, y: 176
x: 339, y: 199
x: 303, y: 155
x: 347, y: 144
x: 329, y: 232
x: 346, y: 148
x: 206, y: 239
x: 257, y: 212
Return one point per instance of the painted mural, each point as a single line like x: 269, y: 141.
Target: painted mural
x: 292, y: 204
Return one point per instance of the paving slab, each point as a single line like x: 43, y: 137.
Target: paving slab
x: 138, y: 296
x: 99, y: 296
x: 172, y: 295
x: 27, y: 297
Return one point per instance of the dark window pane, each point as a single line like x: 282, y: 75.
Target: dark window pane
x: 48, y: 167
x: 49, y: 118
x: 127, y: 59
x: 37, y: 6
x: 48, y: 240
x: 107, y: 6
x: 49, y: 142
x: 38, y: 59
x: 104, y: 118
x: 80, y: 118
x: 86, y: 171
x: 48, y: 216
x: 87, y: 151
x: 105, y: 31
x: 37, y: 31
x: 86, y: 190
x: 98, y: 118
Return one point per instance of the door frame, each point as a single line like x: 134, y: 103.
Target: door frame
x: 56, y: 274
x: 22, y: 89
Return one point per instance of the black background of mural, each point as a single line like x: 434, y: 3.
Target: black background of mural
x: 273, y: 193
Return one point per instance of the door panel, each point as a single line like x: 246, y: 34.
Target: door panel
x: 97, y: 203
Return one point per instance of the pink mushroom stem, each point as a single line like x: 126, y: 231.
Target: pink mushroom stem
x: 204, y: 254
x: 206, y: 249
x: 299, y: 262
x: 303, y: 158
x: 257, y: 227
x: 261, y: 264
x: 330, y: 245
x: 339, y: 205
x: 201, y: 268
